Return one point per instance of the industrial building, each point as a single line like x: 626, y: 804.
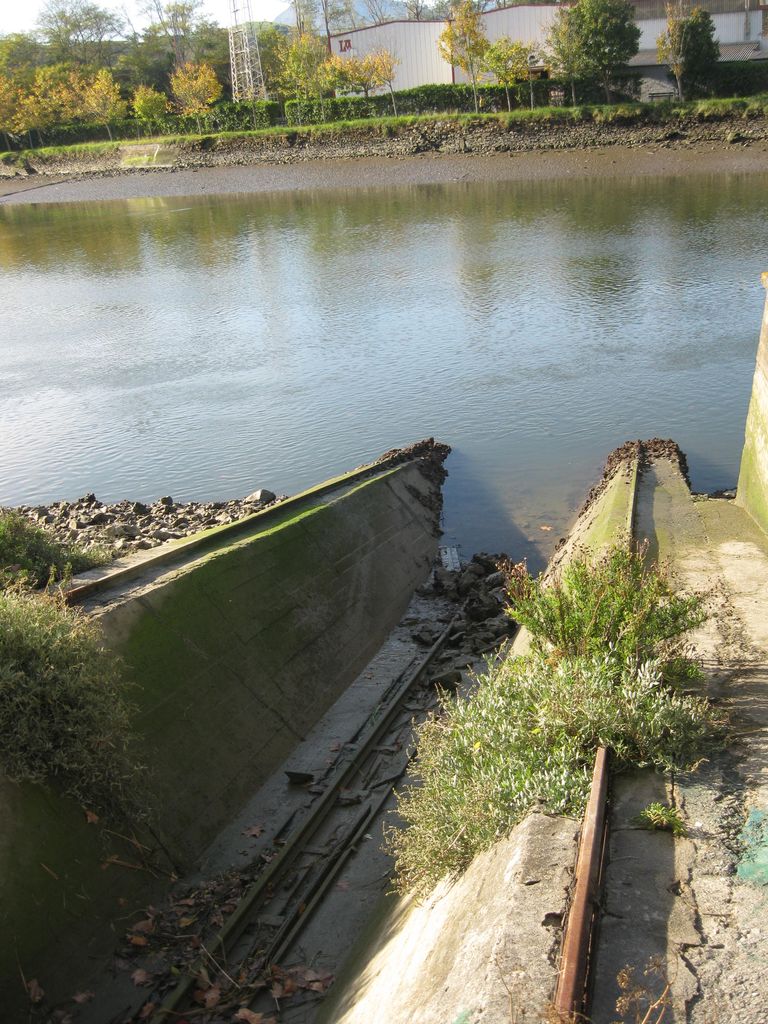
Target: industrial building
x: 741, y: 27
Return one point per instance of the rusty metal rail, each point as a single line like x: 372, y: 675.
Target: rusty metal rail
x: 577, y: 953
x: 571, y: 993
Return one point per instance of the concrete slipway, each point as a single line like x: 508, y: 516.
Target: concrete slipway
x: 256, y: 633
x: 689, y: 912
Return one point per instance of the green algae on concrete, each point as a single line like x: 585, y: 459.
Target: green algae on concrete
x: 752, y: 490
x: 235, y: 651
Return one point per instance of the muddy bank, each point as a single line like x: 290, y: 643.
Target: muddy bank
x: 425, y: 153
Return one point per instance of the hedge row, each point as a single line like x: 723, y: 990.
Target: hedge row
x: 224, y: 117
x: 438, y: 99
x: 739, y: 78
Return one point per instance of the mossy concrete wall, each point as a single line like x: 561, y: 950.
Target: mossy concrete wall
x: 752, y: 490
x: 235, y: 654
x: 239, y: 652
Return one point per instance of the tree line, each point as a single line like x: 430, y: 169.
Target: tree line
x: 86, y: 64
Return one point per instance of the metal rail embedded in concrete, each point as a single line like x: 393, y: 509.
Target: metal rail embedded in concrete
x: 571, y: 994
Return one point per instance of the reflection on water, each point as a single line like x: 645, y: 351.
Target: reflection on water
x: 204, y: 347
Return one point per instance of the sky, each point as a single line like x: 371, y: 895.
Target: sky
x: 21, y: 17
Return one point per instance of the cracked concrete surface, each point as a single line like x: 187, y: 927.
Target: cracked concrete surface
x: 699, y: 903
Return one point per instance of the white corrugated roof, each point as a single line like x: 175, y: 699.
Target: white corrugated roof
x: 728, y: 52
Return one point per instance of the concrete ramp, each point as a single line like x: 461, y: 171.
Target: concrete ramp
x: 694, y: 907
x: 235, y: 642
x: 484, y: 948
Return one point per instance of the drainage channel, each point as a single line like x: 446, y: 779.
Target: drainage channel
x: 265, y: 931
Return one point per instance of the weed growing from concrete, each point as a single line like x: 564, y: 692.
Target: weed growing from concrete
x: 526, y: 739
x: 29, y: 551
x: 63, y: 717
x: 662, y: 817
x: 641, y: 1002
x: 613, y: 603
x: 606, y: 651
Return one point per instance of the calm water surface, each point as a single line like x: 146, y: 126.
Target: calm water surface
x: 206, y: 347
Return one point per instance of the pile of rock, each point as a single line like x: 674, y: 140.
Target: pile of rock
x: 479, y: 589
x: 126, y: 526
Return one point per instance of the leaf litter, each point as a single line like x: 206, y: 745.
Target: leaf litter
x: 163, y: 944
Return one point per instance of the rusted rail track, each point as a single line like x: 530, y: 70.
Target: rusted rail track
x: 227, y: 942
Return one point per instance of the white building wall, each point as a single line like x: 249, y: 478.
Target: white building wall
x: 523, y: 24
x: 414, y: 43
x: 729, y: 28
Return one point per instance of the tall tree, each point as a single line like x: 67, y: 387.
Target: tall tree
x: 508, y: 62
x: 9, y: 101
x: 417, y: 9
x: 307, y: 15
x: 384, y: 70
x: 177, y: 21
x: 270, y: 39
x: 100, y: 100
x: 20, y: 54
x: 378, y: 11
x: 147, y: 60
x: 688, y: 45
x: 302, y: 58
x: 565, y: 53
x: 463, y: 43
x: 195, y: 87
x: 79, y: 32
x: 607, y: 35
x: 703, y: 51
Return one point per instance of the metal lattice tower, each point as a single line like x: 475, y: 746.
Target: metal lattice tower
x: 244, y: 56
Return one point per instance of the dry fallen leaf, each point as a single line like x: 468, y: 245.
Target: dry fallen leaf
x: 283, y: 988
x: 91, y: 818
x: 147, y: 1010
x: 145, y: 927
x: 141, y: 977
x: 254, y: 831
x: 252, y: 1018
x: 212, y: 997
x: 83, y: 997
x: 138, y: 940
x: 185, y: 922
x: 35, y: 991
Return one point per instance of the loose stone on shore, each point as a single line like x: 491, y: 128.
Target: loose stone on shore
x: 126, y: 526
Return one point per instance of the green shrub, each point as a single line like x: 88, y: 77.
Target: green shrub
x: 607, y: 647
x: 614, y: 602
x: 27, y: 548
x: 225, y: 116
x: 527, y: 739
x: 63, y: 719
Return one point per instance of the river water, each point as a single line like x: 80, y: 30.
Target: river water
x: 206, y: 347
